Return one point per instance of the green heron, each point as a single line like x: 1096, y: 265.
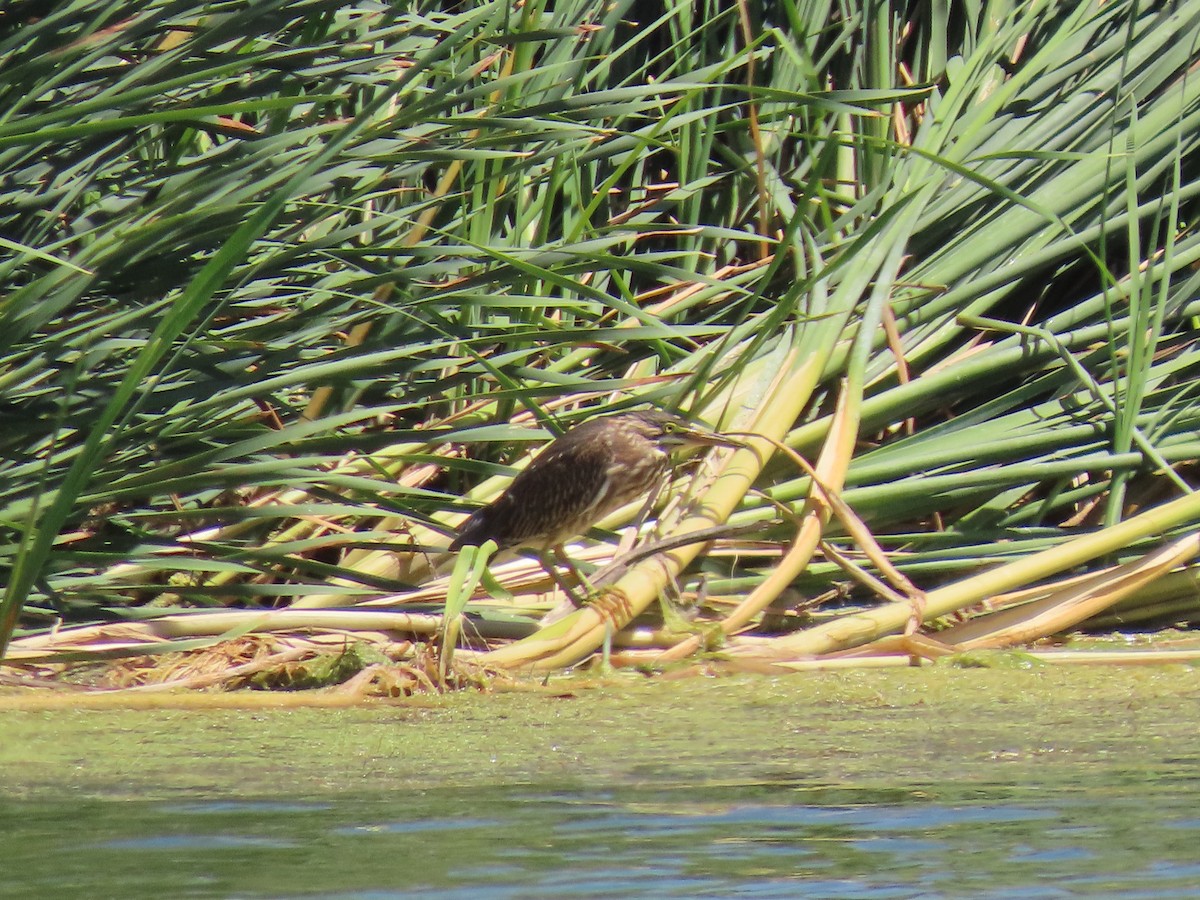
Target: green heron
x: 595, y: 468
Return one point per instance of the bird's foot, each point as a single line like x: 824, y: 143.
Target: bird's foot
x: 612, y: 605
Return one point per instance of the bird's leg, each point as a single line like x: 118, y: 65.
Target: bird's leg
x: 596, y: 597
x: 565, y: 561
x: 606, y: 666
x: 611, y: 605
x: 572, y: 601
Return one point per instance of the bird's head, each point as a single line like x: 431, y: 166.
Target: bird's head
x: 671, y: 432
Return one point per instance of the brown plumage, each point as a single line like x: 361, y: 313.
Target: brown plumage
x: 595, y: 468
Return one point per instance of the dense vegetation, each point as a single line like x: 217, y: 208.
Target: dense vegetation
x: 284, y: 283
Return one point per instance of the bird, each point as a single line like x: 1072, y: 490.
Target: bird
x: 590, y: 471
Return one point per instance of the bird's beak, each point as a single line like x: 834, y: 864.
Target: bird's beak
x: 695, y: 437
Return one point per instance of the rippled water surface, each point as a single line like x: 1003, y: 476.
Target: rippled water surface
x: 1133, y: 837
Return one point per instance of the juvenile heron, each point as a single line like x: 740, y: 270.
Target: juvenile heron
x: 595, y: 468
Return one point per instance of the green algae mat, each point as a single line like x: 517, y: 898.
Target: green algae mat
x: 862, y: 727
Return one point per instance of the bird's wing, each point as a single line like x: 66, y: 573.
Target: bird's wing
x: 554, y: 497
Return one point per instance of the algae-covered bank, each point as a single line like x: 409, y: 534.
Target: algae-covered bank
x: 879, y: 728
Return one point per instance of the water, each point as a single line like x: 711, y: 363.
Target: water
x: 907, y: 784
x: 1134, y: 834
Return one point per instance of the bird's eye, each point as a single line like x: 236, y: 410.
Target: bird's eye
x: 670, y: 427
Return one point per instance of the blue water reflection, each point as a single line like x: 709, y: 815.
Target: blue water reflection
x: 774, y: 840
